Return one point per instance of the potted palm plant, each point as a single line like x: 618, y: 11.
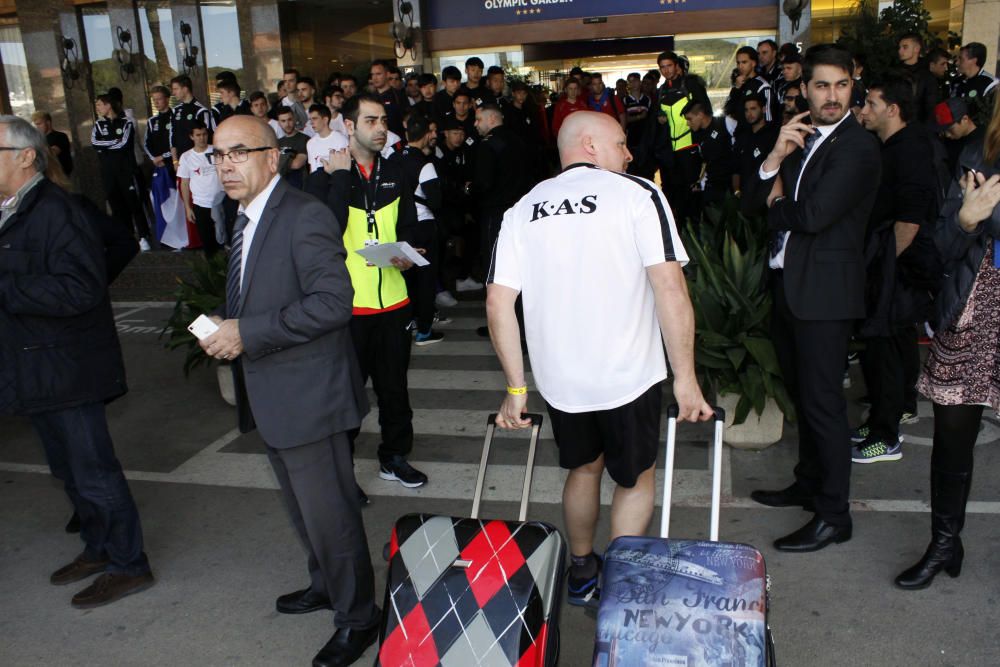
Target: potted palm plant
x: 201, y: 294
x: 734, y: 355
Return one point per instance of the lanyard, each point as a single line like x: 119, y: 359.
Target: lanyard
x: 368, y: 185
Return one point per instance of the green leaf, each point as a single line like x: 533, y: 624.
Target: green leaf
x: 762, y: 351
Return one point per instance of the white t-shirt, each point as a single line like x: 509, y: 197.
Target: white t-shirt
x: 577, y: 247
x: 206, y: 191
x: 337, y: 124
x: 319, y: 148
x: 391, y: 141
x: 276, y: 126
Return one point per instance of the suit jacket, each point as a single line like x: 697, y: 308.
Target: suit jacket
x: 298, y: 368
x: 824, y: 257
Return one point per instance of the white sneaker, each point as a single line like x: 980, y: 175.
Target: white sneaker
x: 144, y: 245
x: 467, y: 285
x: 444, y: 299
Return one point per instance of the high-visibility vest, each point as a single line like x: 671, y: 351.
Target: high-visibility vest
x: 680, y: 132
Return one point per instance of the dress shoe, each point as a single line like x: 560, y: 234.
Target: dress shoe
x: 793, y: 496
x: 111, y: 587
x: 78, y: 570
x: 813, y: 536
x: 346, y: 646
x: 302, y: 602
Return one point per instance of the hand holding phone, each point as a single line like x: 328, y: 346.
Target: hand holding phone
x: 203, y: 327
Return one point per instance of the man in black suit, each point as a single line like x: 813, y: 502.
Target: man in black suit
x: 820, y: 182
x: 288, y: 310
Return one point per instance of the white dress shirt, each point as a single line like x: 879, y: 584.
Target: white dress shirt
x: 778, y: 261
x: 253, y: 211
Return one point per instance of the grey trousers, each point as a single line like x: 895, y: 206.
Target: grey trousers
x: 320, y: 492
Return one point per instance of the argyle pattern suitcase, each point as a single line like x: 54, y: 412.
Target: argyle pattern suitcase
x: 683, y: 603
x: 471, y: 592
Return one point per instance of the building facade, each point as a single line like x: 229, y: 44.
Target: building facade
x: 57, y: 55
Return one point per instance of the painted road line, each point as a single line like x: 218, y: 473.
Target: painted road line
x: 690, y: 487
x: 461, y: 380
x: 446, y: 348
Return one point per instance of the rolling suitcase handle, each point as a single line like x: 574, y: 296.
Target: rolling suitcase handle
x: 536, y: 427
x: 668, y: 474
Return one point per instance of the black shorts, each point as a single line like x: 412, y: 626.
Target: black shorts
x: 628, y: 436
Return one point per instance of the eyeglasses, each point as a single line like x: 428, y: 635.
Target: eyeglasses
x: 238, y: 155
x: 12, y: 148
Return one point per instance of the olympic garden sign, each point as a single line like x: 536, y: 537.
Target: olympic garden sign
x: 441, y: 14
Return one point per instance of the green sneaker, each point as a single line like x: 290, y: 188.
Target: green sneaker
x: 861, y: 433
x: 873, y: 451
x: 909, y: 418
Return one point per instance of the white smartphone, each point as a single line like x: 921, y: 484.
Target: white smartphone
x: 203, y: 327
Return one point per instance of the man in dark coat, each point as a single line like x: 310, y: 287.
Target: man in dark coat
x: 60, y: 361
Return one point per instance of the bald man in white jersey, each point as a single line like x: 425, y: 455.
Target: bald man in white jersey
x: 595, y: 255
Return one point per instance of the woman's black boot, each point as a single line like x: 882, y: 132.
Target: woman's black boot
x: 949, y: 494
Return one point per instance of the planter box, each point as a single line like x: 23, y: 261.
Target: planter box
x: 224, y: 373
x: 757, y: 432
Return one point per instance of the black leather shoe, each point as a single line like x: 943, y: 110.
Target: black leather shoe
x: 813, y: 536
x: 793, y: 496
x: 302, y: 602
x: 345, y: 647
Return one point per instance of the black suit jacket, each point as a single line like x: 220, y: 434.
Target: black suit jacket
x: 298, y: 366
x: 824, y: 257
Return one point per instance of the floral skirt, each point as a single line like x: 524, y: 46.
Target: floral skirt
x: 963, y: 367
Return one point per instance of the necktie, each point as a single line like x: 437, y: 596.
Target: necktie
x: 234, y: 276
x: 779, y: 238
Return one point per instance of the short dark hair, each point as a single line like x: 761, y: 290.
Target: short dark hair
x: 197, y: 125
x: 418, y: 126
x: 976, y: 51
x: 257, y: 95
x: 937, y: 54
x: 224, y: 75
x: 596, y: 75
x: 348, y: 77
x: 755, y: 97
x: 461, y: 92
x: 282, y: 110
x: 633, y: 75
x: 898, y: 90
x: 321, y: 109
x: 913, y: 37
x: 494, y: 70
x: 787, y: 49
x: 748, y: 51
x: 667, y: 55
x: 308, y: 80
x: 352, y: 107
x: 696, y: 107
x: 426, y: 80
x: 379, y: 63
x: 474, y: 61
x: 770, y: 42
x: 826, y: 54
x: 292, y: 70
x: 230, y: 85
x: 162, y: 90
x: 451, y: 73
x: 182, y: 80
x: 393, y: 69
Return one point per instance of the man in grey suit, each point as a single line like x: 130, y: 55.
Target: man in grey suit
x: 288, y: 307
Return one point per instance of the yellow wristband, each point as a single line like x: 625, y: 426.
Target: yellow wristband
x: 517, y: 391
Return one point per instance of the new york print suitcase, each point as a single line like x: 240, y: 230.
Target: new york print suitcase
x: 683, y: 603
x: 471, y: 592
